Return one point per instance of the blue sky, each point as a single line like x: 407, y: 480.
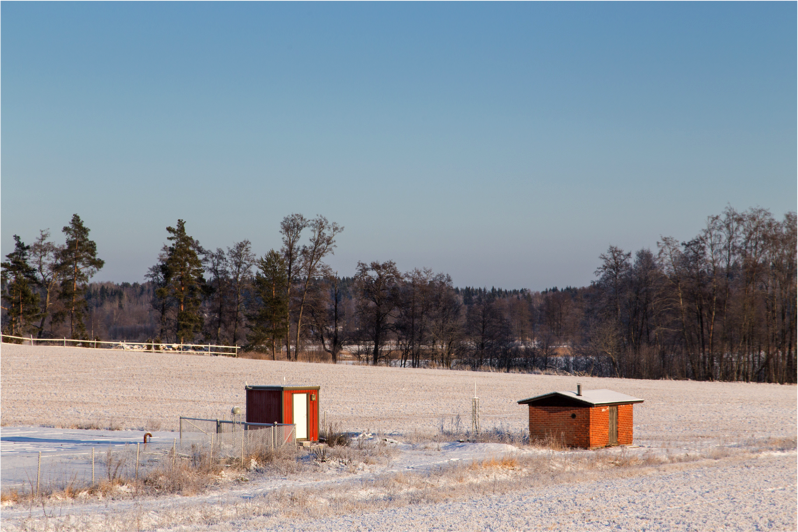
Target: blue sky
x: 507, y: 144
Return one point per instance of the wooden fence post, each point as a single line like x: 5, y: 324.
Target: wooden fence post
x: 137, y: 469
x: 38, y: 474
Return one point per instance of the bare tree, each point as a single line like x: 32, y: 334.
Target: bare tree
x: 291, y: 228
x: 328, y: 315
x: 446, y: 322
x: 218, y: 288
x: 414, y: 306
x: 322, y: 243
x: 377, y: 286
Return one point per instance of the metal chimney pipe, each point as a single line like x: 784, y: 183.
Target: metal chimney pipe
x: 578, y: 389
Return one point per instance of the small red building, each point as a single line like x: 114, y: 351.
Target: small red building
x: 589, y: 419
x: 298, y: 405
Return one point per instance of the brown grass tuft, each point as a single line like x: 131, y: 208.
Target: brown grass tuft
x: 505, y: 462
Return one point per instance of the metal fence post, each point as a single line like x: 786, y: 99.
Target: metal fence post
x: 38, y: 474
x: 92, y: 465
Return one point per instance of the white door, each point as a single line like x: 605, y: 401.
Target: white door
x: 301, y: 415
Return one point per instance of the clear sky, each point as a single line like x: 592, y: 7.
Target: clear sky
x: 507, y: 144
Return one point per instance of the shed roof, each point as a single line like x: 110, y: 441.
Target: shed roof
x: 589, y: 397
x: 280, y: 387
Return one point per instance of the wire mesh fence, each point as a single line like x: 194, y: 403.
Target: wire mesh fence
x: 55, y: 471
x: 230, y: 436
x: 200, y: 443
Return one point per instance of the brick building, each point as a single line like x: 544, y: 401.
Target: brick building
x: 589, y: 419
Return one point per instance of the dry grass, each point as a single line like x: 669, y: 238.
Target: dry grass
x: 184, y: 474
x: 107, y: 424
x: 373, y: 493
x: 333, y: 436
x: 772, y: 444
x: 505, y: 462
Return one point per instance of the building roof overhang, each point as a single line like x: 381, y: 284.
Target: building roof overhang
x: 588, y: 397
x: 280, y: 387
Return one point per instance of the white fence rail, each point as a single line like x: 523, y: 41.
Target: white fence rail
x: 157, y: 347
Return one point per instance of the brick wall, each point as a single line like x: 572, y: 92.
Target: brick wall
x: 586, y: 427
x: 565, y: 424
x: 599, y: 426
x: 625, y: 422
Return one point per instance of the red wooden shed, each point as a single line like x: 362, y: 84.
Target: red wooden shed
x: 589, y: 419
x: 298, y: 405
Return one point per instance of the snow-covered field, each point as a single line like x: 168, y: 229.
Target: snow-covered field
x: 708, y: 456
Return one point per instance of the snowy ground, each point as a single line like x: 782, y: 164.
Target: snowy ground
x: 708, y: 455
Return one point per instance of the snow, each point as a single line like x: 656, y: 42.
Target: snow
x: 736, y: 480
x: 592, y: 397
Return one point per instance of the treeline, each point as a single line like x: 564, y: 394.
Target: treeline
x: 721, y: 306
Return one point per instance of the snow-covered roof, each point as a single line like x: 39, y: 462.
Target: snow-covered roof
x: 591, y: 397
x: 288, y: 387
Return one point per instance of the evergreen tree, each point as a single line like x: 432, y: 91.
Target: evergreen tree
x: 78, y: 262
x: 268, y: 323
x: 160, y: 303
x: 184, y: 283
x: 19, y: 277
x: 44, y: 256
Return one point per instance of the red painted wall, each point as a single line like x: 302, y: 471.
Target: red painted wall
x: 313, y: 411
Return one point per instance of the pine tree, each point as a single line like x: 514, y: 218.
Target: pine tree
x: 184, y: 283
x: 18, y: 278
x: 44, y: 256
x: 268, y: 323
x: 78, y: 262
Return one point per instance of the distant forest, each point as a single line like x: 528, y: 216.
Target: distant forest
x: 721, y: 306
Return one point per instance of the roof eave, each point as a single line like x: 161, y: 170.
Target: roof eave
x: 580, y: 399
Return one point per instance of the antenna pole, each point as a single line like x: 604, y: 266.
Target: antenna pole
x: 475, y: 412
